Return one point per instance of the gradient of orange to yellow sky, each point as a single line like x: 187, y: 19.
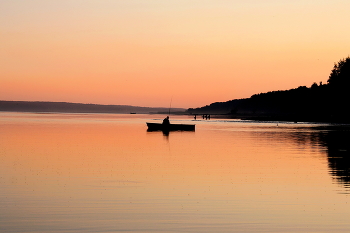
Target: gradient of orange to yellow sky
x: 145, y: 52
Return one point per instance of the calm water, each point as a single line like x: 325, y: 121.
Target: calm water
x: 106, y: 173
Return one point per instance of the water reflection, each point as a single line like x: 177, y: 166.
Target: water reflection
x: 104, y: 173
x: 335, y: 140
x: 337, y: 143
x: 166, y: 133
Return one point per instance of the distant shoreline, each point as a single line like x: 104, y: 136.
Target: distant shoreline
x: 67, y: 107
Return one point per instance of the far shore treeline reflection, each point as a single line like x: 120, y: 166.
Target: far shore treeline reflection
x: 320, y: 102
x: 338, y: 151
x: 335, y: 139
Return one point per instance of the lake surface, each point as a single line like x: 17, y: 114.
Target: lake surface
x: 106, y: 173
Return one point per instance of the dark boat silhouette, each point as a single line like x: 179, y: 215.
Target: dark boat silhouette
x: 169, y: 127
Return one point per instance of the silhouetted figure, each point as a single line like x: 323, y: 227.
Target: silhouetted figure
x: 203, y: 116
x: 195, y: 117
x: 208, y: 117
x: 166, y: 121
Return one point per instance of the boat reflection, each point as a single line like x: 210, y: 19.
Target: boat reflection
x: 167, y: 132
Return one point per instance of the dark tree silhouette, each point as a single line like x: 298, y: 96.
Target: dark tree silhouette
x: 314, y: 85
x: 324, y: 103
x: 338, y: 91
x: 340, y: 75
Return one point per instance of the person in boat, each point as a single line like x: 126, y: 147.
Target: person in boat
x: 166, y: 121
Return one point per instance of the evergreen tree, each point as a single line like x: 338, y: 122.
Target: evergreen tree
x: 340, y: 75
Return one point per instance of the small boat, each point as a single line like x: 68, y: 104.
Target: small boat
x: 169, y: 127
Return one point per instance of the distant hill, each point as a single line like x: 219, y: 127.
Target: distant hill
x: 318, y: 103
x: 27, y: 106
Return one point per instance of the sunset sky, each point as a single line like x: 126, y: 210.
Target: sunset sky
x: 147, y: 52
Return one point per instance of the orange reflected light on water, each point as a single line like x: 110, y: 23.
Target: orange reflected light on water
x: 126, y: 154
x: 105, y: 165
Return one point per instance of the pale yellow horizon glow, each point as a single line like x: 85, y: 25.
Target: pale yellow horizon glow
x: 144, y: 53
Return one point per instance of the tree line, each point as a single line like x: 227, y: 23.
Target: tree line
x: 319, y: 102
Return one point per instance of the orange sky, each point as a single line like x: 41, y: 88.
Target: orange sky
x: 144, y: 53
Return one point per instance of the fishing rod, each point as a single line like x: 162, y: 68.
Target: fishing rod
x: 170, y: 104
